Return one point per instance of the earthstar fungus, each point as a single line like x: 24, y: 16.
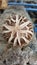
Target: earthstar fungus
x: 18, y: 30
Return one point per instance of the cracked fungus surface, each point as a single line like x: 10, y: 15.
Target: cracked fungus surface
x: 18, y: 30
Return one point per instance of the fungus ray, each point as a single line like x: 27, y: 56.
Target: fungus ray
x: 24, y: 24
x: 27, y: 41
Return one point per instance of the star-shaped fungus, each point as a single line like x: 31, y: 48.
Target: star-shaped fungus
x: 18, y: 30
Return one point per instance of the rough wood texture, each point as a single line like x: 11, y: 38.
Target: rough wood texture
x: 5, y: 15
x: 16, y: 56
